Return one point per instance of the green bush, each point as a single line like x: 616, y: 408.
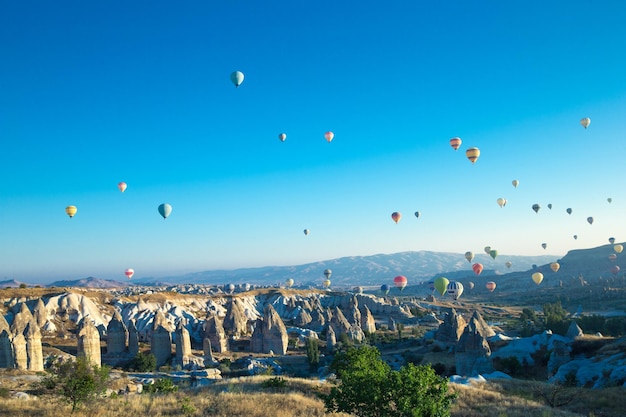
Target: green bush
x: 161, y: 385
x: 143, y: 362
x: 275, y: 383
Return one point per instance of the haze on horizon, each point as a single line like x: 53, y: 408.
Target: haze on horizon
x: 95, y: 94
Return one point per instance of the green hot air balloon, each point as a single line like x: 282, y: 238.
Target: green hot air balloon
x: 493, y: 253
x: 441, y: 285
x: 165, y: 210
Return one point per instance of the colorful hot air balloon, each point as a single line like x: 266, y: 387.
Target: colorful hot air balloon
x: 441, y: 285
x: 165, y: 210
x: 493, y: 253
x: 555, y: 266
x: 357, y: 290
x: 618, y: 248
x: 585, y: 122
x: 472, y: 154
x: 400, y: 282
x: 568, y: 210
x: 501, y: 202
x: 590, y: 220
x: 326, y: 283
x: 237, y: 78
x: 537, y: 277
x: 306, y: 232
x: 455, y: 289
x: 477, y: 268
x: 615, y: 269
x: 455, y: 143
x: 487, y: 249
x: 122, y: 186
x: 384, y: 289
x: 328, y: 273
x: 490, y: 286
x: 515, y: 183
x: 536, y: 207
x: 289, y: 283
x: 509, y: 264
x: 129, y: 273
x: 329, y: 136
x: 469, y: 256
x: 396, y: 216
x: 470, y: 285
x: 417, y: 214
x: 612, y: 257
x: 71, y: 211
x: 611, y: 240
x: 282, y: 137
x: 544, y: 245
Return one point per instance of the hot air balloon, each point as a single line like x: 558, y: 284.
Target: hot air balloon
x: 544, y: 245
x: 569, y: 210
x: 536, y: 207
x: 129, y: 272
x: 455, y: 143
x: 585, y: 122
x: 537, y: 277
x: 615, y: 269
x: 590, y: 220
x: 575, y: 237
x: 289, y: 283
x: 477, y: 268
x: 400, y: 281
x: 71, y: 211
x: 165, y: 210
x: 306, y: 232
x: 470, y: 285
x: 326, y: 283
x: 329, y: 136
x: 515, y: 183
x: 550, y: 206
x: 431, y: 285
x: 230, y: 288
x: 441, y: 285
x: 554, y: 266
x: 490, y: 286
x: 384, y: 289
x: 501, y: 202
x: 487, y: 249
x: 609, y: 200
x: 612, y: 257
x: 417, y: 214
x: 509, y: 264
x: 396, y: 216
x: 472, y: 154
x: 358, y: 290
x: 122, y: 186
x: 328, y: 273
x: 618, y: 248
x: 611, y: 240
x: 282, y: 137
x: 455, y: 289
x: 493, y: 253
x: 469, y: 256
x: 237, y: 78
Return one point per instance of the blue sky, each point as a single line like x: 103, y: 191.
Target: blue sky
x: 94, y: 93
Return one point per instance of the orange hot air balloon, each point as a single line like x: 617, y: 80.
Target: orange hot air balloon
x: 554, y: 266
x: 400, y: 281
x: 396, y: 216
x: 329, y: 136
x: 477, y: 268
x: 122, y: 186
x: 490, y: 286
x: 472, y: 154
x: 455, y: 143
x: 612, y: 257
x: 537, y: 277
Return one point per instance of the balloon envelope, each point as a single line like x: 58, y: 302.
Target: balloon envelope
x: 555, y: 266
x: 550, y: 206
x: 615, y: 269
x: 417, y: 214
x: 326, y: 283
x: 515, y: 183
x: 289, y: 282
x: 441, y: 285
x: 396, y: 216
x: 237, y: 78
x: 612, y: 257
x: 122, y: 186
x: 329, y: 136
x: 306, y: 232
x: 609, y: 199
x: 71, y: 211
x: 490, y: 286
x: 493, y: 253
x: 328, y: 273
x: 590, y: 220
x: 544, y: 245
x: 618, y: 248
x: 455, y: 289
x: 400, y: 281
x: 536, y: 207
x: 469, y: 256
x: 611, y: 240
x: 471, y: 285
x: 537, y: 277
x: 501, y: 202
x: 472, y: 154
x: 282, y: 137
x: 585, y: 122
x: 129, y: 272
x: 384, y: 289
x: 569, y: 210
x: 477, y: 268
x: 165, y: 210
x: 509, y: 264
x: 455, y: 143
x: 487, y: 249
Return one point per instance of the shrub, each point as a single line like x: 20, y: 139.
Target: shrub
x: 143, y: 362
x: 275, y: 383
x: 161, y: 385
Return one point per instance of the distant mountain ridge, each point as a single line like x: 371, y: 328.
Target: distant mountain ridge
x: 417, y: 266
x: 89, y: 282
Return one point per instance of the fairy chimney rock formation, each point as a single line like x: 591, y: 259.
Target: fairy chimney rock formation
x: 161, y: 342
x: 214, y: 331
x: 574, y: 331
x: 473, y: 354
x: 20, y: 357
x: 89, y: 342
x: 256, y: 341
x: 133, y: 339
x: 451, y: 329
x: 483, y: 328
x: 368, y: 324
x: 21, y: 320
x: 6, y: 348
x: 34, y: 353
x: 353, y: 314
x: 235, y: 321
x: 303, y: 318
x: 331, y: 339
x: 274, y: 332
x: 40, y: 313
x: 183, y: 345
x: 117, y: 334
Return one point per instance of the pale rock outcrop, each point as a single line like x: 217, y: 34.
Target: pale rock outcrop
x: 331, y: 338
x: 353, y: 315
x: 274, y: 332
x: 473, y: 354
x: 208, y: 354
x: 183, y: 345
x: 368, y: 324
x: 560, y: 355
x: 235, y: 321
x: 117, y: 335
x: 339, y: 322
x: 214, y: 331
x: 7, y: 356
x: 391, y: 324
x: 161, y: 341
x: 20, y: 357
x: 40, y: 313
x: 318, y: 320
x: 256, y: 340
x: 21, y: 319
x: 574, y: 331
x: 133, y: 339
x: 89, y: 342
x: 303, y: 318
x: 34, y: 353
x: 481, y: 325
x: 451, y: 329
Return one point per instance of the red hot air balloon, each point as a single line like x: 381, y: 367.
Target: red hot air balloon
x: 396, y: 216
x: 477, y: 268
x: 490, y: 286
x: 129, y: 273
x: 455, y: 143
x: 122, y: 186
x: 329, y: 136
x: 615, y: 269
x: 400, y: 281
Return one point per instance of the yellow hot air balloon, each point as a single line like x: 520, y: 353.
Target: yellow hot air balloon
x: 71, y: 211
x: 472, y: 154
x: 326, y: 283
x: 554, y: 266
x: 537, y: 277
x: 501, y: 202
x: 618, y: 248
x: 585, y: 122
x: 455, y: 143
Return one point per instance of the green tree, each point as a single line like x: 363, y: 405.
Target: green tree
x: 78, y: 382
x: 143, y: 362
x: 554, y: 316
x: 369, y: 388
x: 312, y: 353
